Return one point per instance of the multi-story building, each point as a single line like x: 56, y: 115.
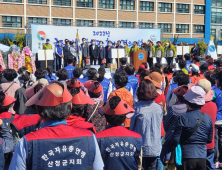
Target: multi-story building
x: 190, y: 19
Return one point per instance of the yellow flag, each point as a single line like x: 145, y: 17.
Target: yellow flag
x: 212, y: 38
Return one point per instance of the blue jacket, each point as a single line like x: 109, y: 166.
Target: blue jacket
x: 133, y: 81
x: 58, y: 50
x: 120, y: 148
x: 195, y: 146
x: 102, y: 52
x: 83, y: 80
x: 106, y: 84
x: 108, y: 52
x: 50, y: 77
x: 70, y: 69
x: 57, y: 146
x: 2, y: 158
x: 218, y: 101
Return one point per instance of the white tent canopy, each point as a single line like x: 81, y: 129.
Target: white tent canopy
x: 4, y: 48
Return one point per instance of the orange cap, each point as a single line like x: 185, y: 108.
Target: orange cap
x: 81, y: 98
x: 46, y: 98
x: 119, y: 110
x: 8, y: 100
x: 30, y: 92
x: 77, y: 83
x: 91, y: 87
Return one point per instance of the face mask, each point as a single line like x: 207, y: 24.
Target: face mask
x: 124, y: 45
x: 84, y: 41
x: 59, y: 44
x: 93, y: 43
x: 110, y: 44
x: 101, y: 44
x: 68, y: 45
x: 47, y: 42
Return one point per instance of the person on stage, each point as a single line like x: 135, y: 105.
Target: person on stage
x: 170, y: 53
x: 134, y: 47
x: 150, y: 53
x: 159, y: 52
x: 108, y: 50
x: 59, y: 55
x: 127, y: 52
x: 85, y: 51
x: 47, y: 46
x: 66, y: 52
x: 118, y: 44
x: 101, y: 53
x: 93, y: 52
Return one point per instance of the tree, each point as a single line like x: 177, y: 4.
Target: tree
x: 19, y: 40
x: 203, y: 46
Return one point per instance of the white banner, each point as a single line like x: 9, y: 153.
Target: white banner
x: 42, y: 32
x: 211, y: 50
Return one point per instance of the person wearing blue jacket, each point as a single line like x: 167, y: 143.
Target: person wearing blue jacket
x: 101, y: 53
x: 77, y: 72
x: 132, y: 80
x: 193, y: 144
x: 70, y: 66
x: 106, y: 83
x: 50, y: 76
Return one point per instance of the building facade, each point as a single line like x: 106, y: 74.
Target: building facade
x: 188, y: 19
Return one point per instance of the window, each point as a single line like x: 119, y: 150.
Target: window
x: 146, y: 6
x: 165, y: 7
x: 165, y: 28
x: 106, y: 23
x: 127, y: 5
x: 182, y: 8
x: 15, y: 1
x: 8, y: 21
x: 199, y: 9
x: 62, y: 2
x: 62, y: 21
x: 126, y: 24
x: 213, y: 32
x: 34, y: 20
x: 198, y: 29
x: 146, y: 25
x: 216, y: 3
x: 106, y: 4
x: 85, y: 3
x: 182, y: 28
x: 37, y: 2
x: 87, y: 23
x: 216, y: 15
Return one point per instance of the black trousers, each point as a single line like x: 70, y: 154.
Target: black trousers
x: 194, y: 164
x: 92, y: 60
x: 83, y: 64
x: 218, y: 143
x: 169, y: 60
x: 158, y: 60
x: 149, y: 163
x: 150, y: 61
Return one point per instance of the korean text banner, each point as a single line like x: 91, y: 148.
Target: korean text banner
x: 42, y: 32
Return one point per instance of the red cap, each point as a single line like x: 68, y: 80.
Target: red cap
x: 81, y: 98
x: 8, y: 100
x: 91, y: 87
x: 209, y: 60
x: 119, y: 110
x: 181, y: 90
x: 30, y: 92
x: 142, y: 67
x: 77, y: 83
x: 46, y: 98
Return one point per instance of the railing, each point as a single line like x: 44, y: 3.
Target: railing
x: 85, y: 4
x: 106, y: 6
x: 62, y: 2
x: 13, y: 25
x: 43, y: 2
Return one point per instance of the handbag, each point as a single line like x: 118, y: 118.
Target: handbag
x: 178, y: 150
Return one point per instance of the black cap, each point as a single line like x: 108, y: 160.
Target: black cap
x: 203, y: 67
x: 218, y: 62
x: 47, y: 39
x: 217, y: 76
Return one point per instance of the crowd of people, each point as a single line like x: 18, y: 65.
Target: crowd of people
x: 145, y: 119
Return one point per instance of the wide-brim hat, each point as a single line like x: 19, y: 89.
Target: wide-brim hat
x: 30, y: 91
x: 45, y: 97
x: 8, y: 100
x: 42, y: 81
x: 91, y: 87
x: 82, y: 98
x: 121, y: 109
x: 181, y: 90
x: 195, y: 95
x: 155, y: 78
x: 76, y: 84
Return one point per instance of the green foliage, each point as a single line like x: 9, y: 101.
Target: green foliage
x: 165, y: 40
x: 6, y: 39
x: 203, y: 46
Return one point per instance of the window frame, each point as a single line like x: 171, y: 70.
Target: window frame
x: 85, y: 21
x: 121, y: 24
x: 42, y: 2
x: 195, y: 10
x: 62, y: 2
x: 182, y: 8
x: 160, y: 7
x: 30, y: 20
x: 195, y: 30
x: 87, y: 3
x: 63, y: 22
x: 127, y: 5
x: 109, y: 24
x: 166, y: 27
x: 7, y: 23
x: 142, y: 25
x: 182, y: 28
x: 146, y: 7
x: 107, y: 4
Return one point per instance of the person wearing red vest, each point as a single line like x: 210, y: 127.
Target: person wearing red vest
x: 79, y: 104
x: 27, y: 123
x: 120, y: 147
x: 56, y: 145
x: 210, y: 62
